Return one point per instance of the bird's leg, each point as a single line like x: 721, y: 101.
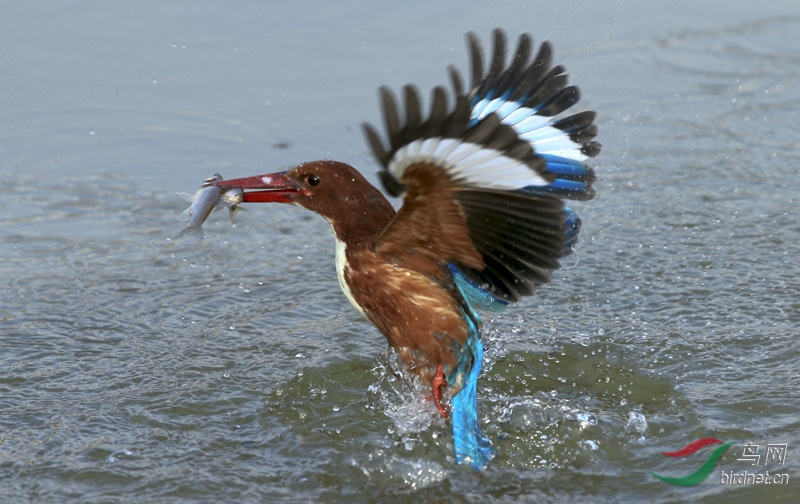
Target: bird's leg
x: 439, y: 383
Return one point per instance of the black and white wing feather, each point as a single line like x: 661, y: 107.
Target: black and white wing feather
x: 508, y: 159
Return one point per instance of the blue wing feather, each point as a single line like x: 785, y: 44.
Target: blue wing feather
x: 573, y: 223
x: 573, y: 179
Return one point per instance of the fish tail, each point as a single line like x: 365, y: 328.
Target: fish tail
x: 195, y: 231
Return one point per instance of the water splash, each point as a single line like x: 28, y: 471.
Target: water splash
x: 414, y: 473
x: 403, y: 398
x: 637, y: 424
x: 114, y: 457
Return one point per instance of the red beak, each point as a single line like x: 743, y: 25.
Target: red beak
x: 275, y: 188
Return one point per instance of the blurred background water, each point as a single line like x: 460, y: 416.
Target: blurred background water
x: 133, y: 369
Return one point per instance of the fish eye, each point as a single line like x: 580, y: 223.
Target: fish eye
x: 313, y: 180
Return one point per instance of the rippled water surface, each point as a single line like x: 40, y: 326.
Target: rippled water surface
x: 136, y: 369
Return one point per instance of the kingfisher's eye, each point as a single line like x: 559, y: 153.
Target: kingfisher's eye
x: 312, y: 180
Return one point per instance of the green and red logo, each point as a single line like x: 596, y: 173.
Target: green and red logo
x: 704, y: 471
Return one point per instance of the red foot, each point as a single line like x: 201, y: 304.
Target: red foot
x: 439, y: 383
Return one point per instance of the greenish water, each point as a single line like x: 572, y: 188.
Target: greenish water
x: 134, y: 369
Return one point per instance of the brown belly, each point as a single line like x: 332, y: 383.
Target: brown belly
x: 421, y: 319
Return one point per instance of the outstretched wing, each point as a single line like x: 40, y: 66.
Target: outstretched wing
x: 528, y: 95
x: 482, y: 180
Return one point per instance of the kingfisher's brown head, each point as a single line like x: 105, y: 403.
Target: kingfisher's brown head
x: 335, y: 190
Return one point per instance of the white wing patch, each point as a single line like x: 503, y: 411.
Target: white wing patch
x: 535, y: 129
x: 468, y: 163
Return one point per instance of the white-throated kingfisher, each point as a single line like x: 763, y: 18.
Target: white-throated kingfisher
x: 482, y: 222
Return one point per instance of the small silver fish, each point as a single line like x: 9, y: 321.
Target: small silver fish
x: 207, y: 199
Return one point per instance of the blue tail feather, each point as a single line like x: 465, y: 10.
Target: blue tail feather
x: 471, y: 446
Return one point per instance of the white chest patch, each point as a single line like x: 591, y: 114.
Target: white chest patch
x: 341, y: 264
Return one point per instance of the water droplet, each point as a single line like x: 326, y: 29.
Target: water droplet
x: 637, y: 423
x: 91, y: 132
x: 300, y: 256
x: 336, y: 408
x: 155, y: 81
x: 119, y: 453
x: 586, y: 420
x: 233, y: 326
x: 583, y: 339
